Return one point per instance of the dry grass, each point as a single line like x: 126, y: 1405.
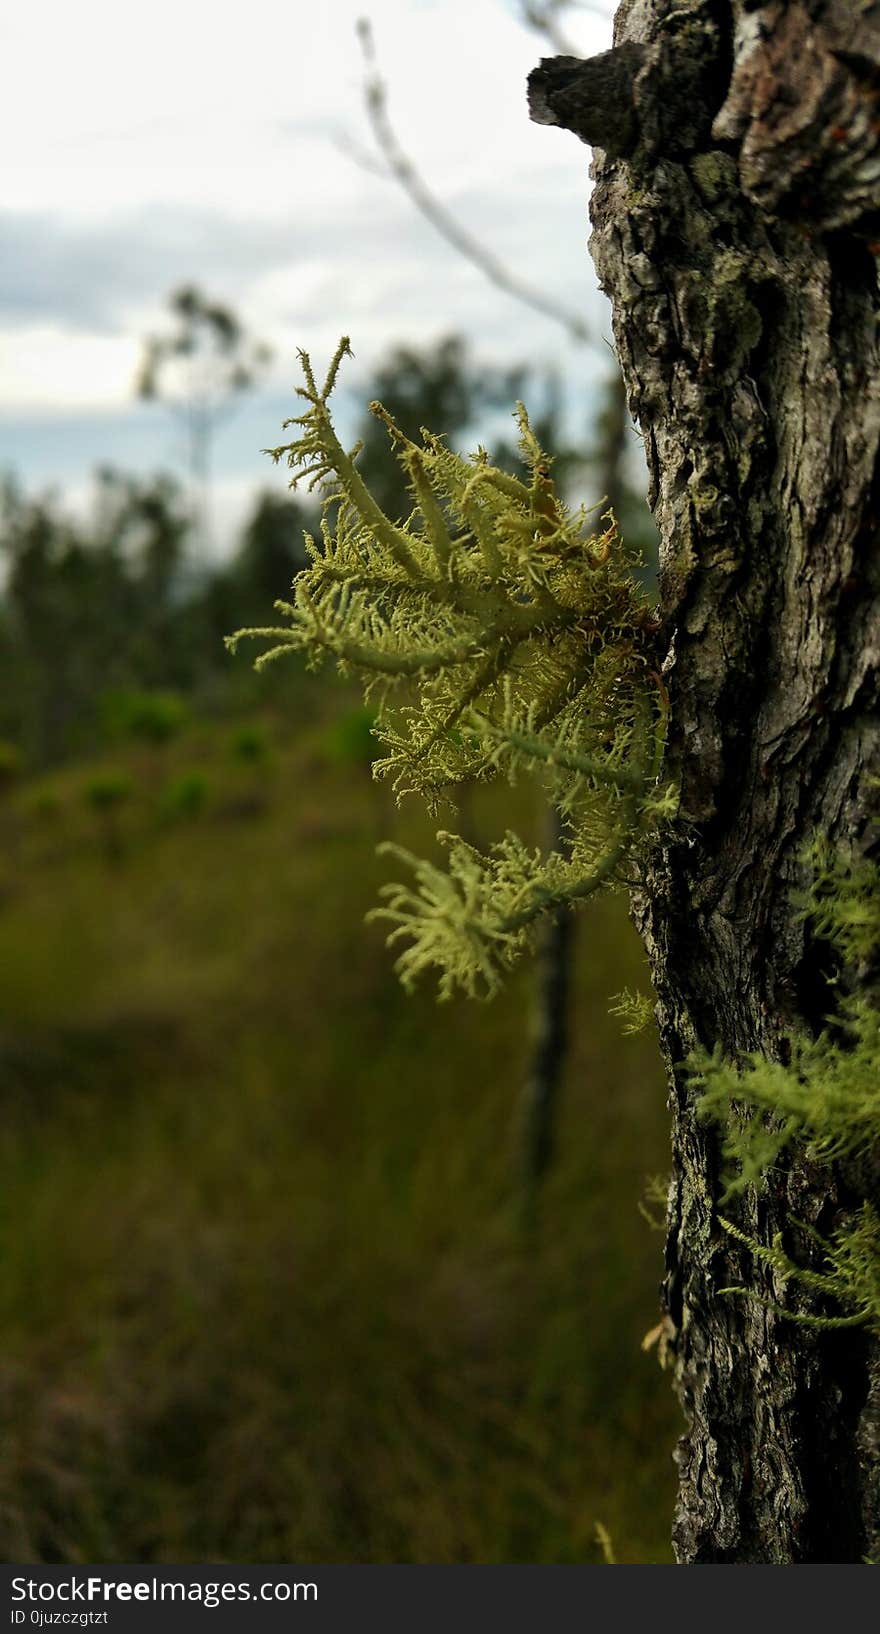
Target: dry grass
x: 265, y: 1291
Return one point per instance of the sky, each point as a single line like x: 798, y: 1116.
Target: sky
x: 228, y: 146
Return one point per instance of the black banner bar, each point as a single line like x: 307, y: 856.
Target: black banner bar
x: 319, y: 1598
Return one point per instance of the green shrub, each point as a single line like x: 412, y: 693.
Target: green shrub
x: 249, y: 745
x: 152, y: 717
x: 186, y: 795
x: 107, y: 791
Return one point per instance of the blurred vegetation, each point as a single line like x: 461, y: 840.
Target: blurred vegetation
x: 199, y: 368
x: 109, y: 627
x: 265, y: 1288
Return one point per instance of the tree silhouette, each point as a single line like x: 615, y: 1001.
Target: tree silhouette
x: 199, y: 369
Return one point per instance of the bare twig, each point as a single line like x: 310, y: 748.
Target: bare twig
x: 402, y: 168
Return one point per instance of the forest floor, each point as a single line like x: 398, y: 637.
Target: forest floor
x: 266, y: 1289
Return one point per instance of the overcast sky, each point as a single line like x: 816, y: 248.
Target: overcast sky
x: 206, y: 143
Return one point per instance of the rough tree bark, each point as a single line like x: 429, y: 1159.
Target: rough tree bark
x: 736, y: 198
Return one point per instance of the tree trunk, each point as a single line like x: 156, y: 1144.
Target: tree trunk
x: 735, y: 181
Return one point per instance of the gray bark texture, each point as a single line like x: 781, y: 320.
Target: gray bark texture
x: 734, y: 212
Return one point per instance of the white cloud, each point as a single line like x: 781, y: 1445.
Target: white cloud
x: 105, y: 105
x: 50, y: 367
x: 197, y: 142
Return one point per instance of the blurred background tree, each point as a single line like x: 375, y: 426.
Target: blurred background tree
x: 199, y: 369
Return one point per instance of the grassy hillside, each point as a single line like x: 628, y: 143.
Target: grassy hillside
x: 266, y: 1291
